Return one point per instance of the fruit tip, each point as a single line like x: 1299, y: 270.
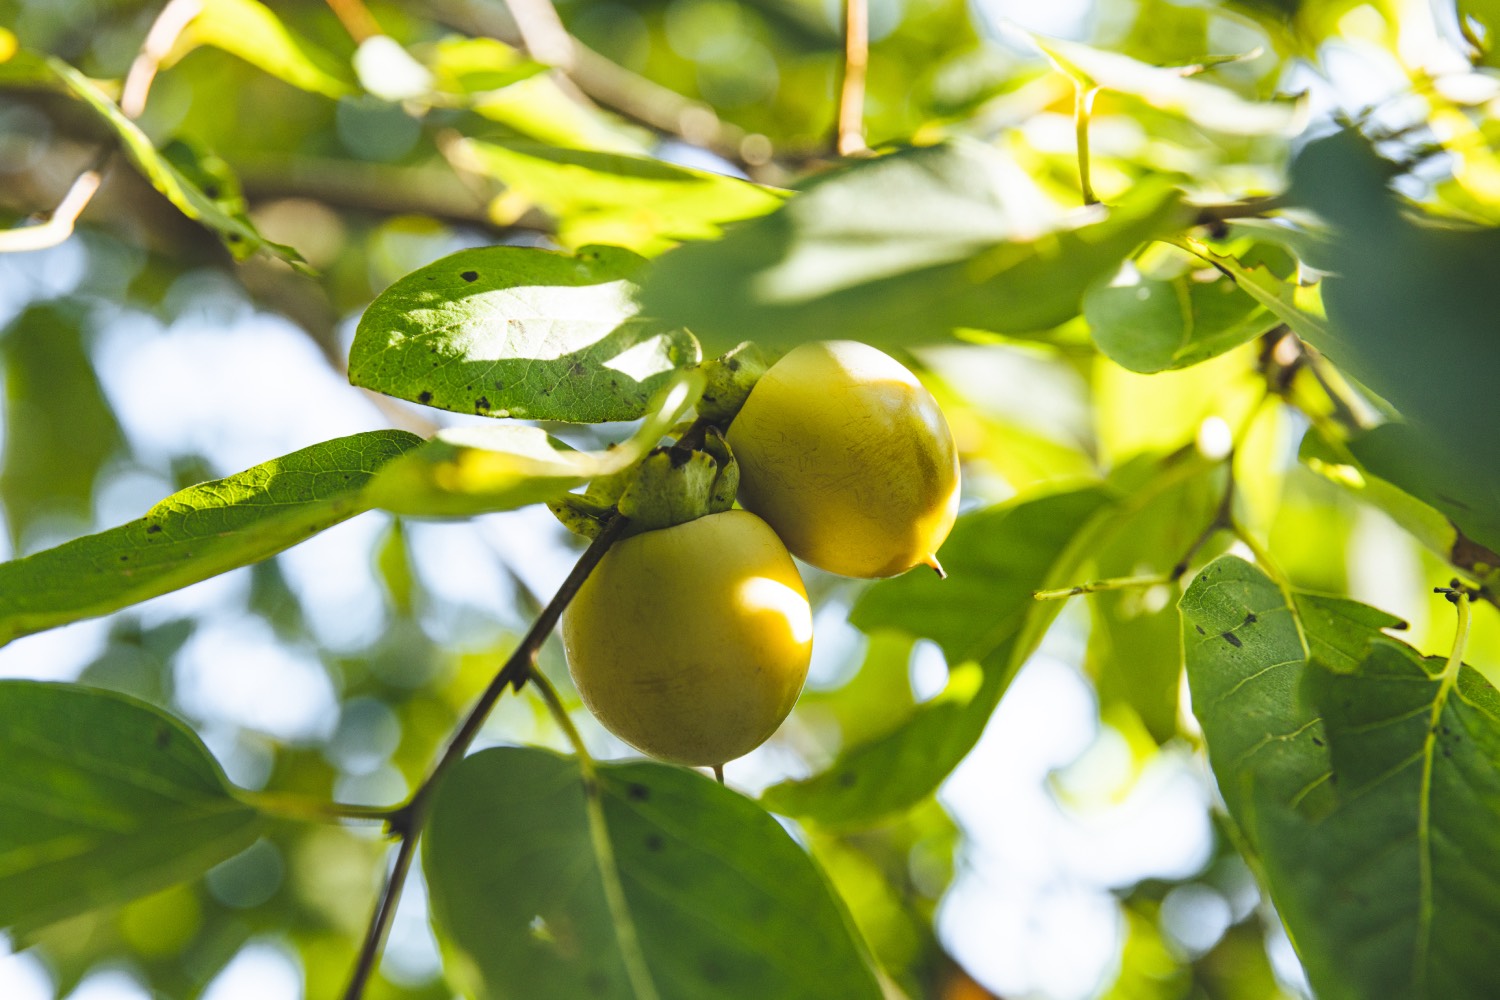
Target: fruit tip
x: 937, y: 567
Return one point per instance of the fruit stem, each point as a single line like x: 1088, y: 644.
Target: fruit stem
x: 719, y: 773
x: 937, y: 567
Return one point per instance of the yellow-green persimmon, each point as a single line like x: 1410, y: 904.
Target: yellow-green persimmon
x: 691, y: 643
x: 848, y: 457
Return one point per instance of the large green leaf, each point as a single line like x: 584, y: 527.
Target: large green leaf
x: 102, y: 799
x: 1159, y: 325
x: 196, y: 533
x: 250, y: 30
x: 1410, y: 303
x: 519, y: 332
x: 236, y: 231
x: 477, y: 470
x: 716, y: 898
x: 987, y: 623
x: 1365, y: 778
x: 632, y: 201
x: 950, y: 245
x: 59, y: 429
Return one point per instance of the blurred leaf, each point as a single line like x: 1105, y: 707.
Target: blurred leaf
x: 59, y: 428
x: 1168, y: 88
x: 1134, y: 649
x: 1465, y: 493
x: 1367, y: 783
x: 1300, y: 307
x: 1410, y: 303
x: 632, y: 201
x: 949, y: 247
x: 721, y: 901
x: 467, y: 66
x: 986, y: 621
x: 519, y: 332
x: 105, y: 799
x: 197, y: 533
x: 1156, y: 325
x: 474, y: 470
x: 253, y: 32
x: 536, y: 107
x: 238, y: 234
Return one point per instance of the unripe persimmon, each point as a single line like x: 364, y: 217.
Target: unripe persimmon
x: 691, y: 643
x: 848, y: 457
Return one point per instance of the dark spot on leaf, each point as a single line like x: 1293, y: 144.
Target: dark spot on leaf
x: 1232, y: 639
x: 653, y: 843
x: 482, y: 404
x: 1447, y: 750
x: 733, y: 364
x: 163, y: 737
x: 1333, y: 778
x: 577, y: 370
x: 470, y: 275
x: 212, y: 190
x: 1317, y: 742
x: 1200, y: 629
x: 124, y: 559
x: 847, y: 779
x: 638, y: 793
x: 234, y: 237
x: 152, y: 529
x: 424, y: 396
x: 1250, y: 618
x: 1446, y: 729
x: 499, y: 385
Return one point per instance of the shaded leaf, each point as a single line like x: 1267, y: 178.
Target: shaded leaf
x: 987, y: 623
x: 1366, y: 780
x: 721, y: 902
x: 237, y: 233
x: 59, y: 428
x: 196, y: 533
x: 950, y: 247
x: 1158, y: 325
x: 253, y: 32
x: 103, y: 799
x: 475, y: 470
x: 616, y: 198
x: 519, y: 332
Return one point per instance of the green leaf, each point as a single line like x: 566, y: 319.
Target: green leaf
x: 253, y: 32
x: 716, y: 899
x: 1169, y: 88
x: 987, y: 623
x: 616, y: 198
x: 238, y: 234
x: 196, y: 533
x: 103, y: 798
x: 1159, y: 325
x: 1300, y: 307
x: 519, y: 332
x: 59, y: 428
x: 951, y: 246
x: 477, y: 470
x: 1366, y: 780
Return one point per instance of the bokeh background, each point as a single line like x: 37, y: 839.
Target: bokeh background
x: 1075, y: 854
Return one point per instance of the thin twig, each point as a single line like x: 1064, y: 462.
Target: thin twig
x: 542, y: 32
x: 1248, y: 208
x: 407, y: 822
x: 1083, y: 111
x: 851, y: 124
x: 160, y: 38
x: 356, y: 19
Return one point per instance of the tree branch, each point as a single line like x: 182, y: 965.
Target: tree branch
x: 850, y: 140
x: 407, y: 822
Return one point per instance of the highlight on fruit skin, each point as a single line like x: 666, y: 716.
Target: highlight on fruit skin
x: 849, y: 458
x: 691, y: 643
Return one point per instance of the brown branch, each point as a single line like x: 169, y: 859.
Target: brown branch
x: 356, y: 19
x: 407, y: 822
x: 850, y: 140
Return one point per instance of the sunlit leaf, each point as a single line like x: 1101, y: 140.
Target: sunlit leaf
x: 474, y: 470
x: 519, y: 332
x: 632, y: 201
x: 948, y: 248
x: 717, y: 899
x: 195, y: 534
x: 1366, y: 780
x: 253, y: 32
x: 103, y: 799
x: 1156, y: 325
x: 987, y: 623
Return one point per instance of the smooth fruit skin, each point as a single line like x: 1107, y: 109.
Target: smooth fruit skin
x: 849, y: 458
x: 691, y: 643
